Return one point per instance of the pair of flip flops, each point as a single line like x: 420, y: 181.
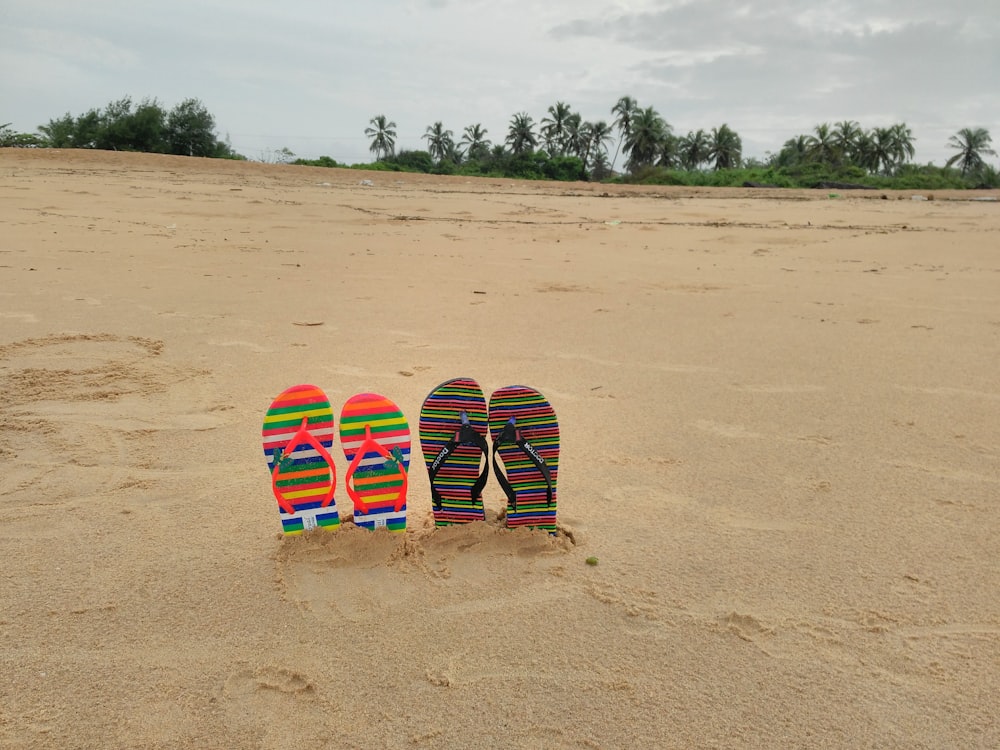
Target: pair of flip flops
x: 455, y: 421
x: 298, y: 434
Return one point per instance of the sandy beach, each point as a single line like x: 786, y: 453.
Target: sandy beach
x: 780, y: 417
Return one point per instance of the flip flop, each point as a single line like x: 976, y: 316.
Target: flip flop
x: 453, y: 428
x: 376, y: 441
x: 526, y: 437
x: 298, y: 435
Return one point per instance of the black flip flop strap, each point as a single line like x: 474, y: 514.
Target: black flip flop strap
x: 509, y: 435
x: 466, y: 434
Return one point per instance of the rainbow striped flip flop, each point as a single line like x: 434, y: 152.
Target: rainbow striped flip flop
x: 453, y: 438
x: 376, y: 441
x: 526, y: 436
x: 298, y: 435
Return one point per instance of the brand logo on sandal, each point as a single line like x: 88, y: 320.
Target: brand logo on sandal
x: 530, y: 450
x: 440, y: 458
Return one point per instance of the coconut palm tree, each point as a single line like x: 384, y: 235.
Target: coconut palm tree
x: 577, y: 137
x: 521, y: 133
x: 475, y: 142
x: 600, y: 136
x: 646, y: 133
x: 882, y: 152
x: 726, y: 148
x: 846, y: 138
x: 822, y: 146
x: 383, y: 135
x: 972, y: 144
x: 694, y: 149
x: 554, y: 128
x: 623, y: 111
x: 600, y: 167
x: 669, y: 155
x: 865, y: 151
x: 793, y: 151
x: 902, y: 143
x: 440, y: 142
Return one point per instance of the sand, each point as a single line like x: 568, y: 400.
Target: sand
x: 780, y: 420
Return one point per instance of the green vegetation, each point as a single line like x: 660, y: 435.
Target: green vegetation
x: 11, y: 139
x: 188, y: 130
x: 323, y: 161
x: 563, y: 146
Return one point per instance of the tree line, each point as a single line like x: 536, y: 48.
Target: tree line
x: 563, y: 146
x: 123, y: 125
x: 652, y: 152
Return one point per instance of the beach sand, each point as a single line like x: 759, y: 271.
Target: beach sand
x: 780, y: 417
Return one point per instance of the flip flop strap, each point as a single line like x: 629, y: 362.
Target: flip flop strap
x: 367, y: 446
x: 302, y: 436
x: 510, y: 435
x: 465, y: 434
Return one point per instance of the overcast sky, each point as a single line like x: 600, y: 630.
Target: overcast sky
x: 309, y: 75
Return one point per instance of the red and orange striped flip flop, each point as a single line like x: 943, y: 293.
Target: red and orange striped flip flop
x: 298, y: 435
x: 376, y: 440
x: 526, y: 437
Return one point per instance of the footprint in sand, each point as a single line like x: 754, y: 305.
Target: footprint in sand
x: 78, y: 408
x: 266, y: 704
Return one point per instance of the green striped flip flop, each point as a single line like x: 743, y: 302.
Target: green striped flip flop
x: 453, y: 440
x: 525, y: 436
x: 376, y: 441
x: 298, y: 435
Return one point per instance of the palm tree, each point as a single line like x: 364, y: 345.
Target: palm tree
x: 440, y: 142
x: 521, y: 133
x: 726, y: 148
x: 600, y: 168
x: 846, y: 138
x: 694, y: 149
x: 647, y: 131
x: 669, y: 155
x: 822, y: 146
x: 554, y: 128
x: 383, y: 135
x: 599, y: 135
x: 882, y: 151
x: 972, y: 144
x: 624, y: 110
x: 576, y: 137
x: 475, y: 142
x: 865, y: 151
x: 793, y: 151
x: 902, y: 143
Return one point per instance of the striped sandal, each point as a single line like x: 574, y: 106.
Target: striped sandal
x: 453, y: 428
x: 525, y: 436
x: 376, y: 440
x: 297, y: 436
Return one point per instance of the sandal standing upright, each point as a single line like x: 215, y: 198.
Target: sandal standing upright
x: 453, y: 426
x: 376, y: 440
x: 297, y: 436
x: 525, y: 436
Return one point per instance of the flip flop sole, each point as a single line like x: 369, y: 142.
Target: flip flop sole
x: 304, y: 477
x: 377, y: 480
x: 440, y: 419
x: 536, y: 420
